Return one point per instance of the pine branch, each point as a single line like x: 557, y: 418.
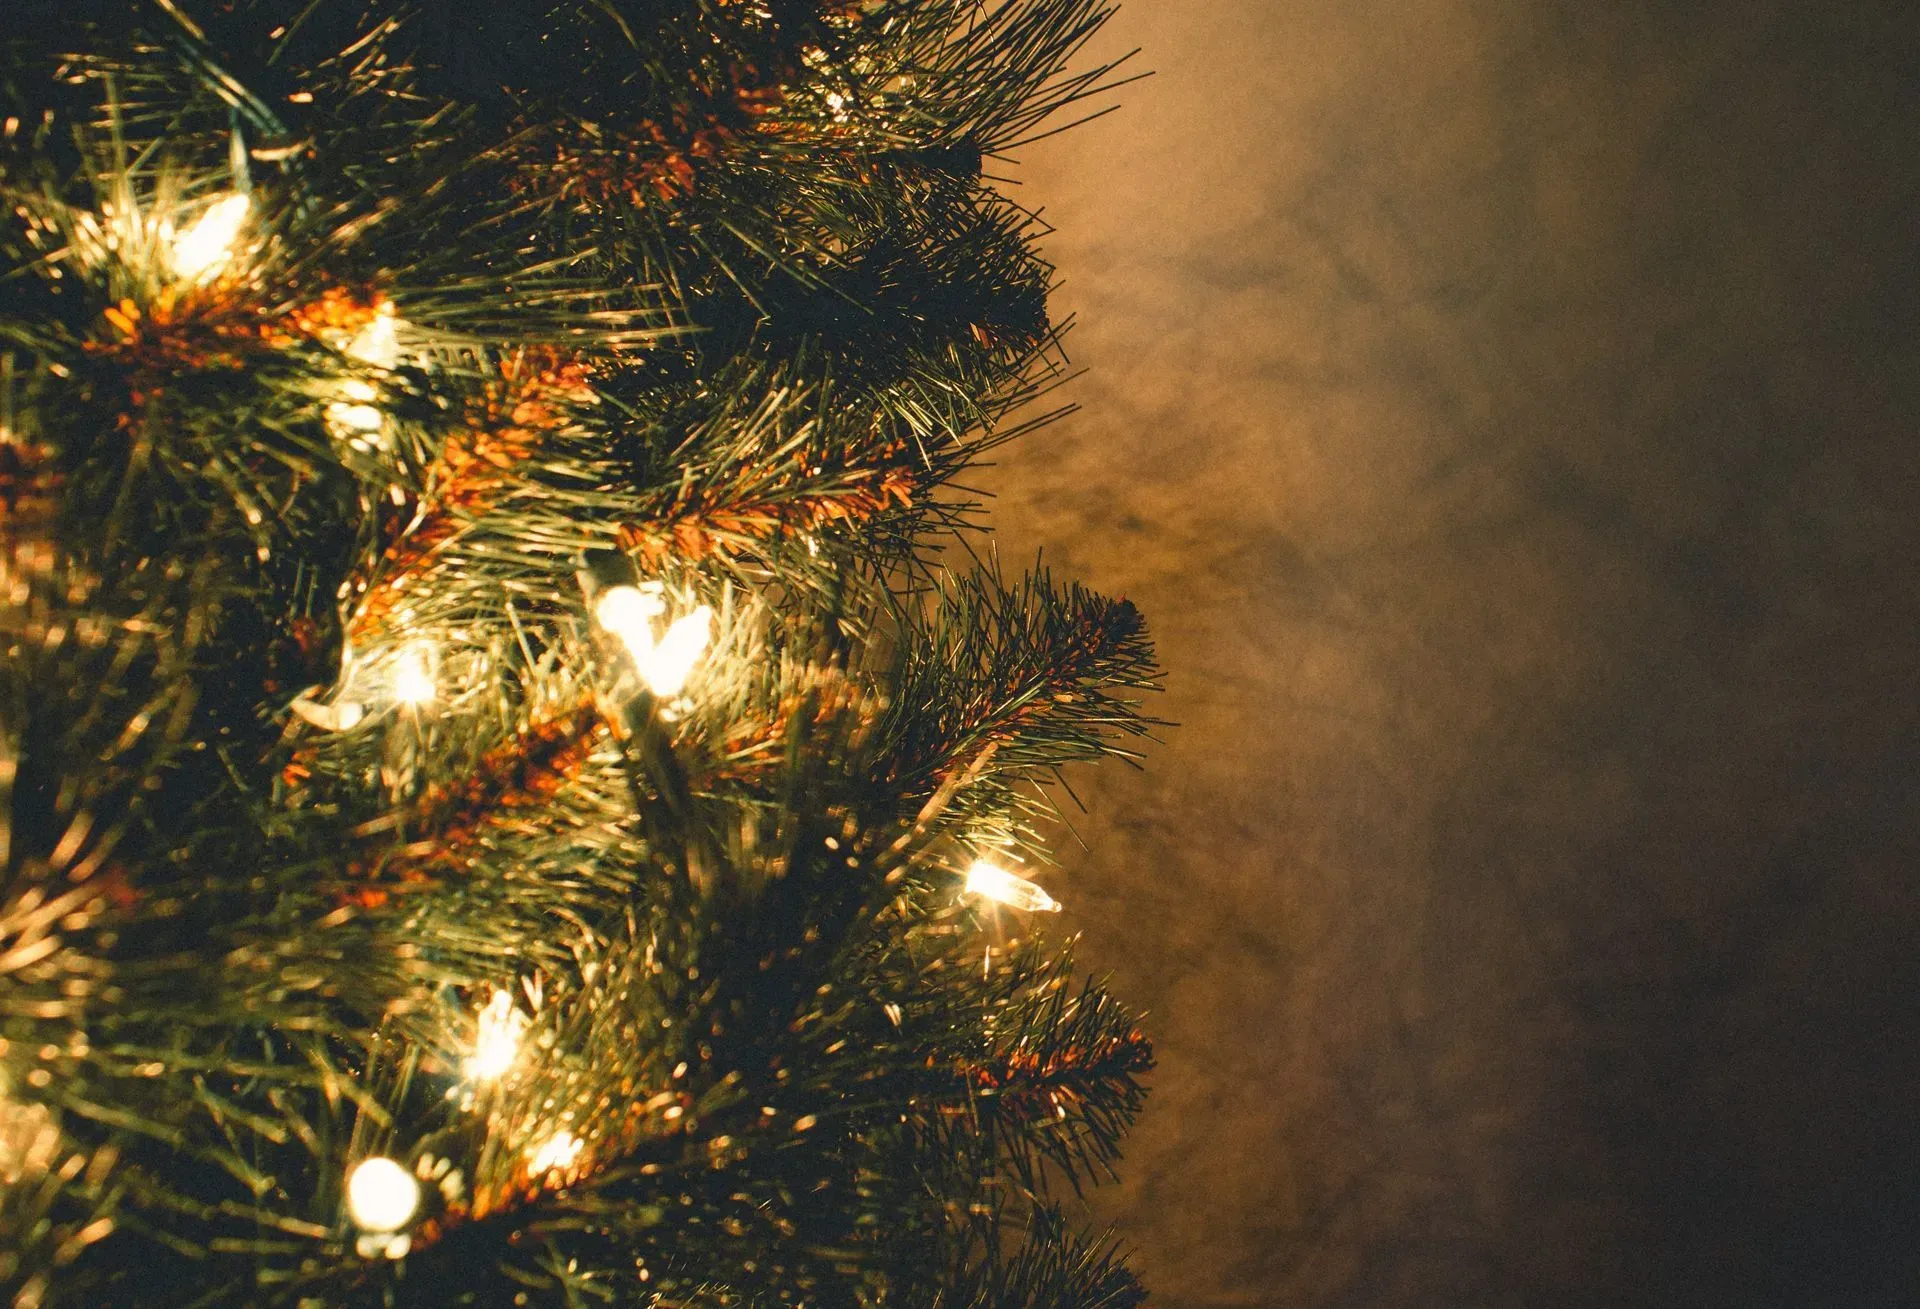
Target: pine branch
x: 441, y: 530
x: 1055, y: 1269
x: 1048, y: 677
x: 512, y: 784
x: 340, y: 820
x: 1061, y: 1083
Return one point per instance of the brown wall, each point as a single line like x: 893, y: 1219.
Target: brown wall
x: 1508, y: 413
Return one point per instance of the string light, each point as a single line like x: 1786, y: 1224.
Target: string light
x: 378, y: 343
x: 679, y: 650
x: 995, y: 883
x: 338, y: 717
x: 381, y: 1195
x: 666, y: 664
x: 499, y: 1038
x: 556, y: 1152
x: 628, y: 612
x: 355, y: 415
x: 207, y: 245
x: 413, y: 675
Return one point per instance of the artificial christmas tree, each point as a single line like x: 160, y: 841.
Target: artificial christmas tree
x: 506, y: 799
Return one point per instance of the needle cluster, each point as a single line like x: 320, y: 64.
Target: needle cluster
x: 387, y: 917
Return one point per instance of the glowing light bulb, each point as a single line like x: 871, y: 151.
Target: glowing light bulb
x: 558, y: 1151
x: 499, y: 1040
x: 355, y: 416
x: 413, y: 675
x: 679, y: 650
x: 208, y: 244
x: 997, y: 884
x: 628, y: 612
x: 378, y: 343
x: 381, y: 1195
x: 665, y: 665
x: 340, y: 716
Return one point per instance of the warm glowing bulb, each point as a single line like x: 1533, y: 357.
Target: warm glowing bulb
x: 378, y: 343
x: 381, y: 1195
x: 499, y: 1040
x: 558, y: 1151
x: 340, y: 716
x: 208, y: 244
x: 678, y: 651
x: 996, y: 883
x: 355, y: 415
x: 413, y: 676
x: 628, y: 612
x: 351, y: 421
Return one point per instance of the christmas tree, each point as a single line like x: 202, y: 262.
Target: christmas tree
x: 520, y: 785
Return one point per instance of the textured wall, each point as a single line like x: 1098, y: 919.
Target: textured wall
x: 1508, y: 413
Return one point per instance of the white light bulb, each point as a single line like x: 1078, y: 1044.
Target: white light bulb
x: 378, y: 343
x: 997, y: 884
x: 499, y: 1038
x: 557, y: 1151
x: 413, y: 676
x: 337, y: 717
x: 628, y: 612
x: 381, y: 1195
x: 355, y: 415
x: 678, y: 651
x: 208, y: 244
x: 347, y: 421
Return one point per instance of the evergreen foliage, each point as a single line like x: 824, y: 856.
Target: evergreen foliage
x: 343, y: 818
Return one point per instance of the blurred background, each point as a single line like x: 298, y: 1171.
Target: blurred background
x: 1508, y: 414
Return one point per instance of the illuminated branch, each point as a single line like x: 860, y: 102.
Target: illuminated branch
x: 705, y: 521
x: 448, y: 827
x: 494, y: 805
x: 477, y: 466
